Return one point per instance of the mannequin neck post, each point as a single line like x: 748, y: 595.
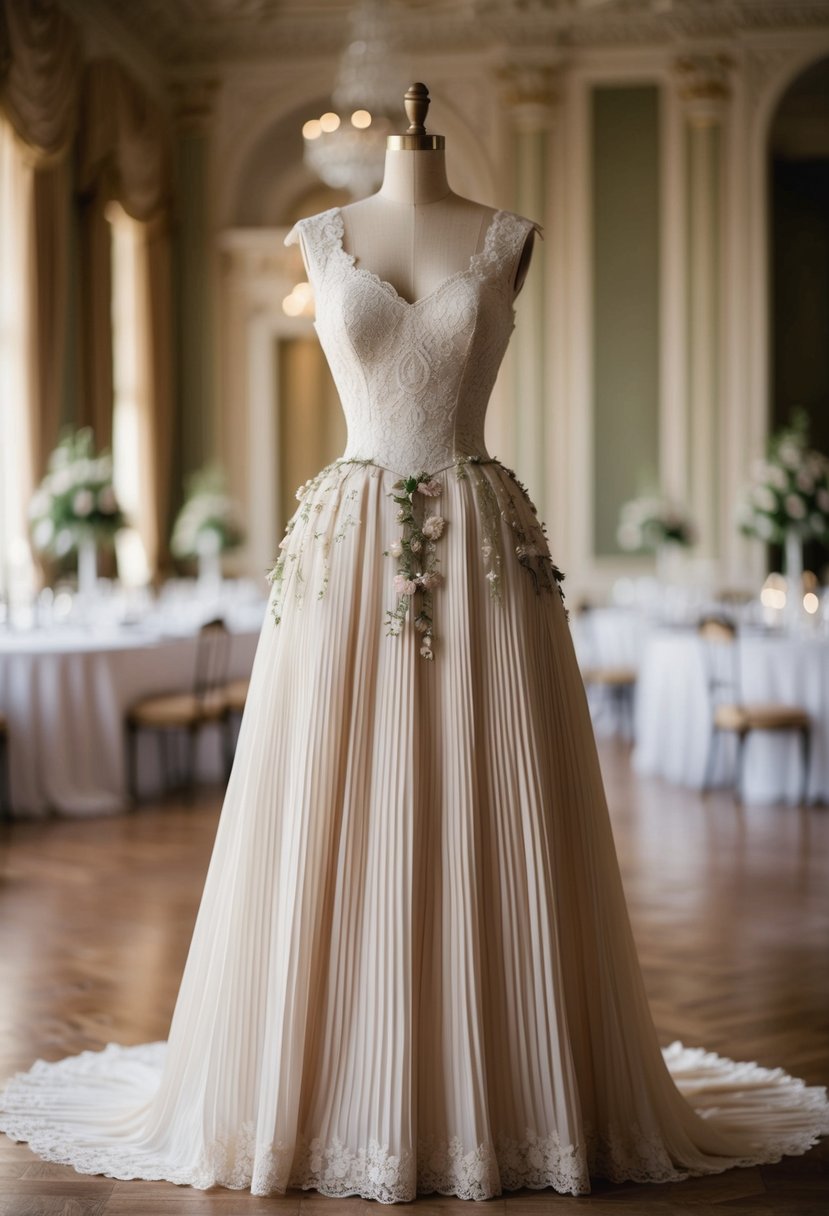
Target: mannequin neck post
x: 415, y: 177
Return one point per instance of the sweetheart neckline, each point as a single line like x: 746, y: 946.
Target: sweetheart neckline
x: 389, y: 288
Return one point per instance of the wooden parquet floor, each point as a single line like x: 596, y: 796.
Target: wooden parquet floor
x: 730, y: 907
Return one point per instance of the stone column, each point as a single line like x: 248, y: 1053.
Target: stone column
x: 194, y: 277
x: 531, y: 99
x: 703, y: 83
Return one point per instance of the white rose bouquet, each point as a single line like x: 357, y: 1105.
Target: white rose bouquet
x: 789, y: 490
x: 209, y: 523
x: 647, y: 523
x: 76, y: 500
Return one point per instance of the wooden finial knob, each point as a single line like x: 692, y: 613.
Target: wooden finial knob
x: 416, y: 102
x: 415, y: 138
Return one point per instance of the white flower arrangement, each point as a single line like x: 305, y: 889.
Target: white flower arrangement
x: 789, y: 490
x: 209, y: 521
x: 646, y: 523
x: 76, y: 500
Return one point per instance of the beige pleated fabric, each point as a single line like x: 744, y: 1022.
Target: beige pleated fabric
x: 412, y: 968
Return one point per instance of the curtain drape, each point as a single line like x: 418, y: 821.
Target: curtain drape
x: 122, y: 145
x: 41, y: 57
x: 95, y: 405
x: 124, y: 155
x: 158, y: 311
x: 39, y: 90
x: 48, y: 276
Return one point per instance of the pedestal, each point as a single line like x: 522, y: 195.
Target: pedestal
x: 793, y: 570
x: 210, y: 571
x: 87, y: 567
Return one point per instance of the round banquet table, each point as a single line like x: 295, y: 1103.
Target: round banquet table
x: 673, y: 714
x: 65, y: 693
x: 608, y: 637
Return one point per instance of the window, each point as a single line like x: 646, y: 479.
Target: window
x: 129, y: 448
x: 16, y: 573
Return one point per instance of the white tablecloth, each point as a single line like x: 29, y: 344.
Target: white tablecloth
x: 609, y: 637
x: 673, y: 714
x: 65, y: 694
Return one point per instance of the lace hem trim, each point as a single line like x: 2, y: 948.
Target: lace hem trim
x: 372, y: 1172
x: 770, y: 1114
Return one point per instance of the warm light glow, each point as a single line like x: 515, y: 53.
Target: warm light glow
x: 811, y: 602
x: 773, y: 594
x: 361, y: 119
x: 330, y: 121
x: 312, y: 129
x: 300, y: 302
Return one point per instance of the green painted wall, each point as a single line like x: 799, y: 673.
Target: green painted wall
x: 625, y: 231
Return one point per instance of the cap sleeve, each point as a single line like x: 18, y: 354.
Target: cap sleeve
x: 523, y: 232
x: 295, y: 237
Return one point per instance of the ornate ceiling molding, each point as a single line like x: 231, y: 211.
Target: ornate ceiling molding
x: 704, y: 87
x: 530, y: 92
x: 212, y: 32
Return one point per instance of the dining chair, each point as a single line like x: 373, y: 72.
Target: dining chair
x: 173, y: 714
x: 615, y: 682
x: 236, y: 694
x: 731, y: 715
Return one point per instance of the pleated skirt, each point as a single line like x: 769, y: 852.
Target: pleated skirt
x: 412, y: 968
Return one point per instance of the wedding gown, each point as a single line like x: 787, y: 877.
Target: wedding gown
x: 412, y: 968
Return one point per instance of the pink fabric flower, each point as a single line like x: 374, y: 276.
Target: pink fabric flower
x: 403, y: 585
x: 82, y: 503
x: 107, y: 502
x: 431, y: 488
x: 433, y: 527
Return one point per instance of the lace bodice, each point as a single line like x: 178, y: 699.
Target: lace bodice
x: 414, y: 378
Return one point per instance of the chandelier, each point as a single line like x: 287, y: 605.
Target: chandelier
x: 346, y: 146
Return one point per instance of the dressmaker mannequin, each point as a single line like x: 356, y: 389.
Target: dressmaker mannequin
x: 415, y: 232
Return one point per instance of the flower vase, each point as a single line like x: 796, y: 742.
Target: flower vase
x: 210, y: 571
x: 793, y: 570
x: 87, y: 567
x: 666, y: 562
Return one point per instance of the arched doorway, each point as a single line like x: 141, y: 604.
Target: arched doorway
x: 799, y: 284
x: 799, y: 258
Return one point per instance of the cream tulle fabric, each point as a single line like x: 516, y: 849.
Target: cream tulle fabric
x: 412, y: 968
